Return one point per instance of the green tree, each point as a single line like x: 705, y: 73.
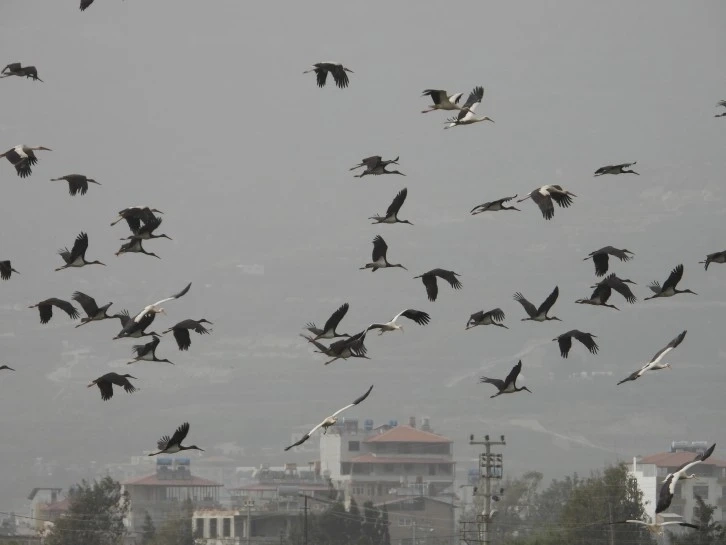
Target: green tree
x: 147, y: 530
x: 94, y: 517
x: 709, y: 531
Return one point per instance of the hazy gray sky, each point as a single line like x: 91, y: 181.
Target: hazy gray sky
x: 201, y: 109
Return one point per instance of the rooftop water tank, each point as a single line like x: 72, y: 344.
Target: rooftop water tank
x: 368, y: 424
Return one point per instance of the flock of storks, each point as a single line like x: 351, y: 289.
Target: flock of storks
x: 143, y: 221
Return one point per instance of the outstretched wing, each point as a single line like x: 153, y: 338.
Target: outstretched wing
x: 449, y: 276
x: 670, y: 346
x: 379, y: 248
x: 496, y: 314
x: 499, y: 383
x: 601, y: 263
x: 432, y: 288
x: 529, y: 308
x: 587, y: 340
x: 565, y: 342
x: 418, y: 316
x: 87, y: 302
x: 335, y: 318
x: 673, y: 278
x: 180, y: 294
x: 545, y: 307
x: 471, y: 103
x: 79, y: 247
x: 359, y: 400
x: 397, y: 202
x: 65, y: 306
x: 180, y: 433
x: 513, y: 374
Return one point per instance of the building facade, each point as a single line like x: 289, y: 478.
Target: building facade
x: 421, y: 520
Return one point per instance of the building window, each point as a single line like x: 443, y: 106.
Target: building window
x: 227, y: 527
x: 432, y: 469
x: 345, y: 468
x: 701, y: 491
x: 199, y: 527
x: 212, y: 527
x: 358, y: 490
x: 354, y: 446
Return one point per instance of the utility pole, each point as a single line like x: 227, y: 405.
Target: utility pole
x: 490, y: 467
x: 305, y: 523
x: 249, y: 504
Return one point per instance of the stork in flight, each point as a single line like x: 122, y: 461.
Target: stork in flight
x: 669, y: 286
x: 392, y: 212
x: 181, y: 331
x: 418, y: 316
x: 133, y: 329
x: 509, y: 384
x: 494, y: 206
x: 93, y: 312
x: 565, y: 341
x: 134, y: 215
x: 442, y: 100
x: 378, y: 257
x: 45, y: 309
x: 77, y: 183
x: 601, y: 258
x: 669, y: 485
x: 599, y: 297
x: 539, y: 314
x: 616, y: 169
x: 337, y: 70
x: 173, y: 445
x: 656, y: 528
x: 721, y: 103
x: 6, y: 270
x: 375, y: 166
x: 466, y: 114
x: 6, y: 367
x: 146, y: 231
x: 17, y: 69
x: 134, y: 246
x: 716, y: 257
x: 106, y: 383
x: 22, y: 157
x: 147, y: 352
x: 543, y: 197
x: 492, y: 317
x: 432, y: 287
x: 155, y: 308
x: 655, y: 362
x: 329, y: 421
x: 352, y: 347
x: 328, y: 330
x: 76, y: 257
x: 618, y: 284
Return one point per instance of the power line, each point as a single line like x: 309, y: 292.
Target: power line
x: 490, y: 467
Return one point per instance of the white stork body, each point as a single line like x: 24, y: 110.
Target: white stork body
x: 656, y: 363
x: 420, y: 317
x: 442, y: 100
x: 156, y: 307
x: 466, y: 114
x: 665, y: 496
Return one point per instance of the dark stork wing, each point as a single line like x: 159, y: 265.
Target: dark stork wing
x: 45, y: 310
x: 449, y: 276
x: 180, y: 434
x: 673, y: 278
x: 340, y: 77
x: 335, y: 318
x: 513, y: 374
x: 379, y: 248
x: 476, y: 317
x: 665, y: 496
x: 163, y: 443
x: 106, y: 389
x: 586, y: 339
x: 601, y: 263
x: 499, y: 383
x: 85, y: 4
x: 5, y: 270
x: 354, y: 343
x: 321, y: 74
x: 142, y: 349
x: 529, y: 308
x: 432, y: 288
x: 134, y: 223
x: 435, y: 94
x: 620, y: 254
x: 397, y: 202
x: 602, y: 293
x: 565, y: 342
x: 363, y: 397
x: 182, y: 292
x: 151, y: 225
x: 22, y: 167
x: 372, y: 162
x: 418, y: 316
x: 79, y: 247
x: 497, y: 314
x: 545, y: 204
x: 299, y: 441
x: 123, y: 381
x: 183, y: 339
x: 199, y: 328
x: 603, y: 170
x: 65, y: 306
x: 561, y: 198
x: 549, y: 302
x: 474, y: 98
x: 622, y: 288
x: 689, y: 525
x: 670, y: 346
x: 77, y: 184
x: 87, y: 302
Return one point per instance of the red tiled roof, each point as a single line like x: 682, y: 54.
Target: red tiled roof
x: 407, y: 434
x: 302, y: 486
x: 373, y: 459
x: 675, y: 459
x: 152, y: 480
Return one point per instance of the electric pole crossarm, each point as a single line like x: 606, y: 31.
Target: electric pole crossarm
x: 490, y: 467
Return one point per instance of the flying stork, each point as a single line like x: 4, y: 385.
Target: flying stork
x: 106, y: 383
x: 6, y: 368
x: 45, y: 309
x: 328, y: 331
x: 429, y: 281
x: 669, y: 485
x: 6, y: 270
x: 543, y: 197
x: 329, y: 421
x: 156, y: 308
x: 392, y: 212
x: 494, y: 206
x: 133, y: 329
x: 77, y: 183
x: 134, y: 246
x: 418, y: 316
x: 146, y: 231
x: 147, y: 352
x: 17, y: 69
x: 492, y: 317
x: 509, y: 384
x: 442, y: 100
x: 655, y: 362
x: 716, y: 257
x: 721, y: 103
x: 565, y: 341
x: 134, y: 215
x: 669, y: 286
x: 599, y: 297
x: 466, y: 114
x: 93, y: 312
x: 22, y: 158
x: 352, y: 347
x: 616, y: 169
x: 656, y: 528
x: 337, y: 70
x: 375, y: 165
x: 601, y: 257
x: 378, y: 258
x: 618, y: 284
x: 77, y: 256
x: 539, y: 314
x: 181, y: 331
x: 174, y: 445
